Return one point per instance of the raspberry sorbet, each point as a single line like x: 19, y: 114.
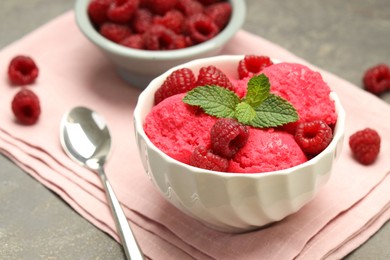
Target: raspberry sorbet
x: 178, y: 128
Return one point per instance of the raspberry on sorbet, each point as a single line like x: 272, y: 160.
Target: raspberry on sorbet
x: 313, y: 137
x: 211, y: 75
x: 204, y: 158
x: 252, y: 65
x: 179, y: 81
x: 228, y: 136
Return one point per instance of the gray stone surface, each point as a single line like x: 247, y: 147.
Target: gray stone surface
x: 343, y: 37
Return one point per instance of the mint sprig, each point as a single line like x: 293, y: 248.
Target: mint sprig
x: 259, y: 108
x: 215, y: 101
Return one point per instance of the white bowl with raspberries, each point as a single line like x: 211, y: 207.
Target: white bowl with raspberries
x: 144, y: 38
x: 199, y: 182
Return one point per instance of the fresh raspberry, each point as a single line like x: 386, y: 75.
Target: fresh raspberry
x: 172, y: 19
x: 22, y: 70
x: 211, y: 75
x: 159, y: 37
x: 26, y: 107
x: 203, y: 158
x: 313, y: 137
x: 189, y: 7
x: 377, y: 79
x: 189, y: 41
x: 182, y: 41
x: 97, y: 11
x: 160, y: 7
x: 179, y: 81
x: 121, y: 11
x: 134, y: 41
x: 115, y: 32
x: 208, y: 2
x: 142, y: 20
x: 227, y: 136
x: 201, y: 28
x: 219, y: 13
x: 365, y: 145
x: 252, y: 65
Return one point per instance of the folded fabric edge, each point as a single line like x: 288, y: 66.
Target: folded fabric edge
x: 362, y: 237
x: 167, y: 235
x: 156, y: 246
x: 18, y: 157
x: 135, y: 218
x: 31, y: 153
x: 335, y: 235
x: 86, y: 176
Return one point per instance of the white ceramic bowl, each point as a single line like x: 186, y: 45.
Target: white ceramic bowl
x: 139, y: 67
x: 232, y: 202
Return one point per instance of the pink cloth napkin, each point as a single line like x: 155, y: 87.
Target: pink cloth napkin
x: 353, y: 205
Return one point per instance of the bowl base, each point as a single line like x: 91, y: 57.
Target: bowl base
x: 138, y: 81
x: 237, y: 230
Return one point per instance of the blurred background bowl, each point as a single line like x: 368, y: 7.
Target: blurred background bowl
x: 139, y: 67
x: 232, y: 202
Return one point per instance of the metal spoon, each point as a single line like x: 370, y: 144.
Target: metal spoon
x: 86, y: 139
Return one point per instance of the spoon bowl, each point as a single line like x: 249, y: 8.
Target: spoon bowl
x: 85, y: 138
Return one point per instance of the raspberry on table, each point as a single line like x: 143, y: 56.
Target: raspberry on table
x: 252, y: 65
x: 201, y: 28
x: 220, y: 13
x: 179, y: 81
x: 211, y: 75
x: 121, y: 11
x: 22, y: 70
x: 26, y: 107
x: 115, y: 32
x: 313, y: 137
x: 365, y: 145
x: 203, y: 158
x: 227, y: 136
x: 377, y: 79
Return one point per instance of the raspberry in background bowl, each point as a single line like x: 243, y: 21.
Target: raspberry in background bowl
x: 232, y: 202
x: 139, y: 67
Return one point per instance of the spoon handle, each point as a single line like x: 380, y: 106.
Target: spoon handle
x: 130, y: 245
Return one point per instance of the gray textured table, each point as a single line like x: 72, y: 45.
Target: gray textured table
x: 343, y: 37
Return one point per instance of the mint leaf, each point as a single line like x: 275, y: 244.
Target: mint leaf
x: 259, y: 108
x: 214, y: 100
x: 258, y: 90
x: 274, y: 111
x: 244, y: 113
